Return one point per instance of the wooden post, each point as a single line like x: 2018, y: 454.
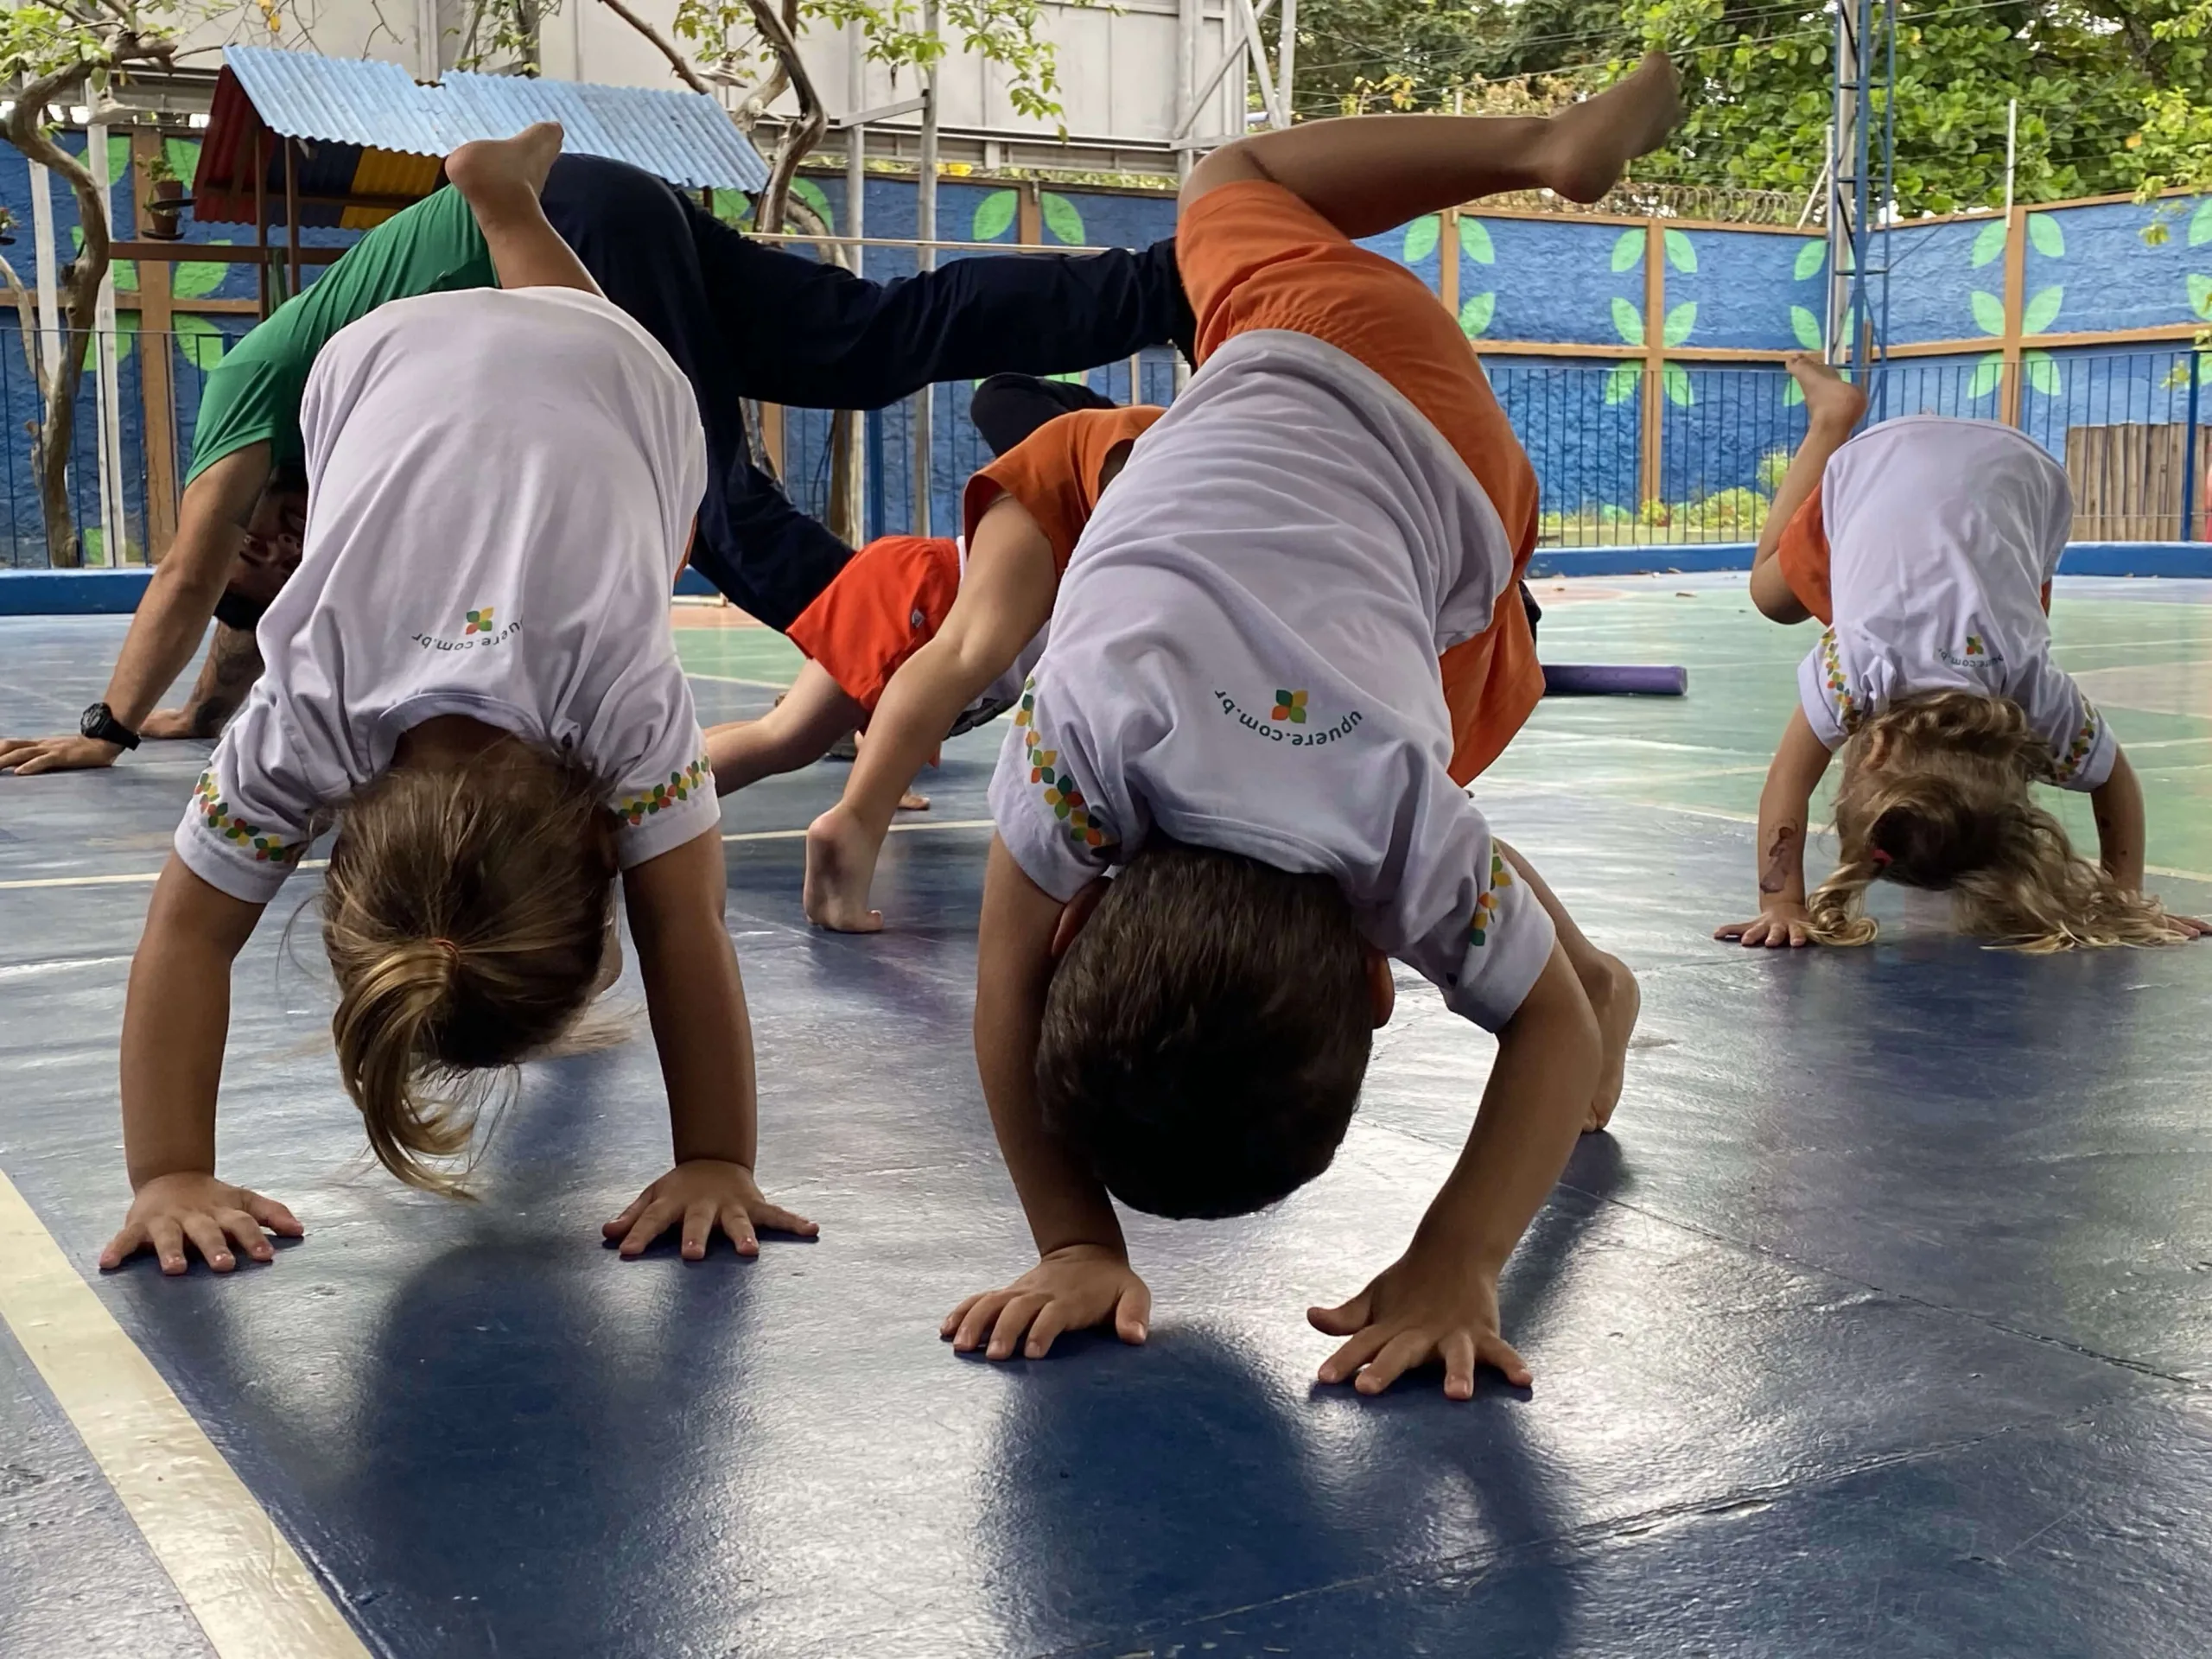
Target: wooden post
x: 1029, y: 215
x: 292, y: 218
x: 1447, y: 260
x: 2016, y: 288
x: 772, y: 437
x: 156, y: 368
x: 1655, y: 358
x: 261, y: 220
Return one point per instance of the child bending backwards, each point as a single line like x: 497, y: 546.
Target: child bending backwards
x: 473, y: 670
x: 1927, y: 545
x: 1240, y: 714
x: 878, y: 623
x: 1022, y: 515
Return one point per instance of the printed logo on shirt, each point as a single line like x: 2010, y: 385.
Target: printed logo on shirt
x: 215, y: 813
x: 1061, y: 795
x: 477, y: 627
x: 680, y: 786
x: 2065, y: 765
x: 1289, y: 709
x: 1486, y: 916
x: 1975, y: 655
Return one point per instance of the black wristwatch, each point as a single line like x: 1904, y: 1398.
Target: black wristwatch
x: 101, y: 724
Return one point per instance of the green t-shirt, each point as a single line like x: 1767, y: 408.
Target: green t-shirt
x: 253, y: 395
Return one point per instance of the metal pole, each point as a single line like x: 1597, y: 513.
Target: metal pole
x: 925, y: 257
x: 1186, y: 76
x: 2189, y: 451
x: 856, y: 253
x: 1841, y: 144
x: 1286, y: 60
x: 107, y: 412
x: 1861, y: 319
x: 2011, y: 150
x: 291, y: 218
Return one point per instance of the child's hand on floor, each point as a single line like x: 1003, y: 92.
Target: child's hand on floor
x: 1072, y: 1289
x: 214, y: 1217
x: 2189, y: 925
x: 1777, y: 925
x: 702, y: 1194
x: 1430, y: 1304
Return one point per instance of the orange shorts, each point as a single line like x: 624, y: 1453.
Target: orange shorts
x: 1803, y: 557
x: 1254, y: 255
x: 1055, y: 472
x: 887, y: 603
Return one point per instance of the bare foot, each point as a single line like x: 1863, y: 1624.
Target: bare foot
x: 1616, y: 1000
x: 910, y: 802
x: 492, y: 166
x: 1590, y: 144
x: 1828, y: 395
x: 840, y: 865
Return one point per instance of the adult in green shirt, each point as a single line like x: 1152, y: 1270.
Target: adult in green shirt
x: 743, y: 320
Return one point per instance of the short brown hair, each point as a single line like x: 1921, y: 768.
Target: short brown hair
x: 1206, y: 1034
x: 465, y: 913
x: 1935, y: 794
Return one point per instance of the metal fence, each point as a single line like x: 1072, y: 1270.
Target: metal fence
x: 2117, y: 421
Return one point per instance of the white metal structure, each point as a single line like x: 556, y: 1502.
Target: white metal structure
x: 1144, y: 84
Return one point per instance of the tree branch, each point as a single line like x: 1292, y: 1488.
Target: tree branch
x: 798, y: 137
x: 26, y: 322
x: 661, y: 43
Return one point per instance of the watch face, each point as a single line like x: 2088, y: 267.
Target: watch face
x: 96, y: 717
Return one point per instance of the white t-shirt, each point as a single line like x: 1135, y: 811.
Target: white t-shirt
x: 1942, y: 534
x: 501, y: 486
x: 1244, y: 654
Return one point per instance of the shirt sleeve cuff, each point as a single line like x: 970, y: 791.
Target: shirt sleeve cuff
x: 649, y: 835
x: 1508, y: 941
x: 249, y: 881
x: 1037, y: 840
x: 2089, y: 758
x: 1812, y: 697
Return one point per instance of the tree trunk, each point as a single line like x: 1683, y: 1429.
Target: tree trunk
x: 80, y: 294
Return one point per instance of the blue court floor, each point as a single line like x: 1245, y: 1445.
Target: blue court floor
x: 1880, y: 1324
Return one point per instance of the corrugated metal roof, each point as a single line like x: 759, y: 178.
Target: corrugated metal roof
x: 681, y: 136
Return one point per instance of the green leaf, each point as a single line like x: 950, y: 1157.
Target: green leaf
x: 184, y: 159
x: 2042, y: 309
x: 1986, y: 375
x: 1807, y: 327
x: 1679, y: 321
x: 200, y: 343
x: 200, y: 277
x: 1676, y: 384
x: 1475, y: 314
x: 1792, y: 394
x: 1628, y: 250
x: 1620, y: 385
x: 126, y: 325
x: 2199, y: 295
x: 2043, y: 373
x: 1475, y: 243
x: 1628, y: 321
x: 1679, y: 254
x: 810, y: 193
x: 1988, y: 313
x: 994, y: 216
x: 1812, y: 259
x: 2200, y: 223
x: 1063, y: 221
x: 1989, y: 243
x: 2045, y: 237
x: 1422, y: 236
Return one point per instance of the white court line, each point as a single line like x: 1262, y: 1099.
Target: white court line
x: 147, y: 878
x: 32, y: 969
x: 252, y: 1595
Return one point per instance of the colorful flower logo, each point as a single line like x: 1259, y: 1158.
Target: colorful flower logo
x: 1290, y: 706
x: 479, y: 622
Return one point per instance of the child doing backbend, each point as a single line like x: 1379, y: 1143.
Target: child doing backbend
x: 1022, y: 515
x: 473, y: 671
x: 1240, y: 716
x: 941, y: 620
x: 1927, y: 545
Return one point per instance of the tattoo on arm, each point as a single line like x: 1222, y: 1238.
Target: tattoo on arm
x: 1775, y: 876
x: 233, y: 665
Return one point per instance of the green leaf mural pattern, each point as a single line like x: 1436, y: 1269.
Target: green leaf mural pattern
x: 1063, y: 221
x: 1986, y: 375
x: 1475, y: 243
x: 1679, y: 321
x: 2042, y: 372
x: 1628, y: 321
x: 1421, y: 238
x: 1807, y: 327
x: 1989, y: 243
x: 1620, y: 385
x: 994, y: 216
x: 1675, y: 383
x: 1812, y: 259
x: 1628, y: 250
x: 1988, y: 313
x: 2042, y: 310
x: 2045, y: 237
x: 2200, y: 223
x: 2200, y: 295
x: 1680, y: 252
x: 1475, y: 314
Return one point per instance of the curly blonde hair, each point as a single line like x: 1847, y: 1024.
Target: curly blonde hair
x: 467, y: 914
x: 1935, y: 794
